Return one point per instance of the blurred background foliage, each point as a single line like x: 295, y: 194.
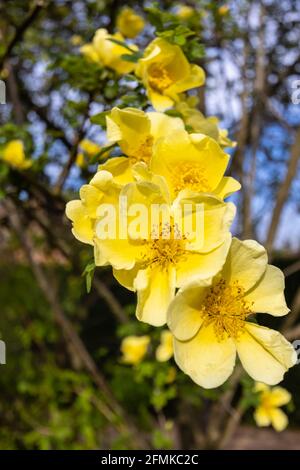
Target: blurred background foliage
x: 65, y: 385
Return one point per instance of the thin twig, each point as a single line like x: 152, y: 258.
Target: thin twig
x: 20, y: 31
x: 284, y: 190
x: 115, y: 307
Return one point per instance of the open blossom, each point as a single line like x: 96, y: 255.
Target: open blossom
x: 129, y: 23
x: 211, y: 321
x: 108, y: 53
x: 136, y: 133
x: 268, y: 411
x: 161, y: 258
x: 166, y: 72
x: 164, y: 352
x: 193, y: 161
x: 134, y: 349
x: 14, y: 155
x: 200, y: 124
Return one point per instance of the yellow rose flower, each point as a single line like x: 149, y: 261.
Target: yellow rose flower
x: 129, y: 23
x: 200, y: 124
x: 134, y: 349
x: 164, y: 352
x: 136, y: 133
x: 14, y: 155
x: 268, y: 411
x: 102, y: 189
x: 153, y: 264
x: 184, y: 12
x: 87, y: 148
x: 108, y: 53
x: 192, y: 161
x: 166, y: 72
x: 209, y: 321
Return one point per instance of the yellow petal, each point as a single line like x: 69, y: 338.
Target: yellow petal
x: 120, y: 168
x: 91, y: 198
x: 195, y: 78
x: 89, y: 51
x: 261, y: 387
x: 156, y: 289
x: 159, y: 102
x: 265, y: 354
x: 134, y: 348
x: 89, y: 147
x: 214, y: 220
x: 184, y: 319
x: 194, y: 267
x: 129, y: 126
x: 279, y: 419
x: 164, y: 352
x: 129, y: 23
x: 82, y: 225
x: 14, y: 155
x: 162, y: 124
x: 226, y: 187
x: 126, y: 277
x: 279, y: 396
x: 267, y: 296
x: 120, y: 253
x: 246, y: 263
x: 206, y: 360
x: 262, y: 417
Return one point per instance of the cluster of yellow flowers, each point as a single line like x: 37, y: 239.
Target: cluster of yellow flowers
x: 207, y: 289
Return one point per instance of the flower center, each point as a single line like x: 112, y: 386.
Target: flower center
x: 225, y: 308
x: 143, y: 152
x: 190, y: 176
x: 158, y: 78
x: 266, y: 402
x: 165, y: 249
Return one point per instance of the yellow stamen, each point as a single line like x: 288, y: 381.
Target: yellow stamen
x: 190, y: 176
x: 225, y: 308
x: 159, y: 78
x: 165, y: 249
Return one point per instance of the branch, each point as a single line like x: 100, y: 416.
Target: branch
x: 112, y: 302
x: 292, y: 317
x: 66, y: 169
x: 19, y: 33
x: 284, y: 190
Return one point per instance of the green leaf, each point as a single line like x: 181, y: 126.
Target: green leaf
x: 132, y: 57
x: 88, y: 272
x: 122, y: 43
x: 102, y: 152
x: 99, y: 118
